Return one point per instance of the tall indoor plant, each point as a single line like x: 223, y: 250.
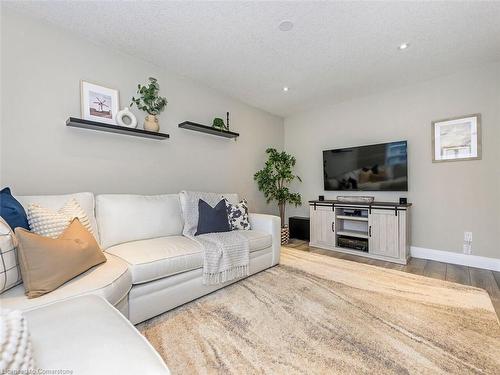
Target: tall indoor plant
x: 273, y: 180
x: 149, y: 101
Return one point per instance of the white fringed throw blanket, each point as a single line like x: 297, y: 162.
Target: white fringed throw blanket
x: 227, y: 254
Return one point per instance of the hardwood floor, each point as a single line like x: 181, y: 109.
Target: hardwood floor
x: 485, y: 279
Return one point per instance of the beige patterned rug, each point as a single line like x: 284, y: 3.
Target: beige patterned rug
x: 316, y: 314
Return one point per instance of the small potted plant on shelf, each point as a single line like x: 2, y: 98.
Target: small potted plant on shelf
x: 218, y: 124
x: 149, y: 101
x: 273, y: 180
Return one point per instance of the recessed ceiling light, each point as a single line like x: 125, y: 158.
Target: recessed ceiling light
x: 286, y: 25
x: 403, y: 46
x: 285, y: 89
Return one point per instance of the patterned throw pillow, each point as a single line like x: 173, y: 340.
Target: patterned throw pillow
x: 10, y: 274
x: 49, y: 223
x: 238, y: 215
x: 16, y: 353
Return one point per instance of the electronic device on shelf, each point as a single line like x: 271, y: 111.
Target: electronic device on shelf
x: 355, y: 199
x: 356, y: 213
x: 353, y: 243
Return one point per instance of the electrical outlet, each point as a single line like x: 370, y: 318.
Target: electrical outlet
x: 467, y: 248
x: 468, y: 237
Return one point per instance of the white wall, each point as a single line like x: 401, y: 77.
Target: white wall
x: 41, y: 72
x: 448, y: 198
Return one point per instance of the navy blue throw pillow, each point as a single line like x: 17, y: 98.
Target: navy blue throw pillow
x: 212, y: 219
x: 12, y: 211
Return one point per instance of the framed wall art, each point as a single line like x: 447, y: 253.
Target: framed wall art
x: 457, y: 139
x: 98, y: 103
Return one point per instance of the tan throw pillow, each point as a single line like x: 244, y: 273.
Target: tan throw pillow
x: 47, y: 263
x: 50, y: 223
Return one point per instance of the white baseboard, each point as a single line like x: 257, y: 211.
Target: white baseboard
x: 456, y: 258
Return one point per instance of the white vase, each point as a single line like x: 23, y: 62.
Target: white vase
x: 125, y: 113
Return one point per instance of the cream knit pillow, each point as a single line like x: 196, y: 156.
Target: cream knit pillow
x: 48, y: 223
x: 16, y: 354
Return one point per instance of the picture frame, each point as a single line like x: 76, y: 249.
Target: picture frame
x: 457, y: 139
x: 98, y: 103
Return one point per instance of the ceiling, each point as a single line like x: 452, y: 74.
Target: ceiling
x: 335, y: 51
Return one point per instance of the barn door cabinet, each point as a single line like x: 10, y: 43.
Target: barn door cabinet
x: 322, y: 221
x: 379, y: 230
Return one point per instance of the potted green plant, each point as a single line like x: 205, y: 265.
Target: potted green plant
x: 273, y: 180
x: 218, y: 124
x: 149, y: 101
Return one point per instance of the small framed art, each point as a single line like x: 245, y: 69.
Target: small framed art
x: 456, y: 139
x: 98, y: 103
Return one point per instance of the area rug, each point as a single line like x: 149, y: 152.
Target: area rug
x: 316, y: 314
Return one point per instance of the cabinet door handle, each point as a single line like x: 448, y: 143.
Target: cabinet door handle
x: 333, y: 226
x: 370, y: 231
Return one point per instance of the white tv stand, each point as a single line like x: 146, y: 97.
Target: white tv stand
x: 379, y: 230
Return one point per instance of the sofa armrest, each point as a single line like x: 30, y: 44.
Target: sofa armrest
x: 269, y: 224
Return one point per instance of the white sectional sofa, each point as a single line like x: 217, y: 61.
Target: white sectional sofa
x: 151, y: 266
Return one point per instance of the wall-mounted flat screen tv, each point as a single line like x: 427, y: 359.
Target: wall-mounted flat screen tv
x: 380, y: 167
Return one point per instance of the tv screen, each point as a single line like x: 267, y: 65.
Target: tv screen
x: 381, y: 167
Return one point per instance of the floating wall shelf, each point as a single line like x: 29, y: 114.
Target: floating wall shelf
x: 100, y: 126
x: 208, y: 129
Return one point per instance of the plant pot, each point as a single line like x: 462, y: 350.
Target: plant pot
x: 285, y: 235
x: 151, y: 123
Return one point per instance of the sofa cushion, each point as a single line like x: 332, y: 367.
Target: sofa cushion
x: 111, y: 280
x: 258, y: 240
x: 88, y: 336
x: 161, y: 257
x: 122, y: 218
x: 55, y: 202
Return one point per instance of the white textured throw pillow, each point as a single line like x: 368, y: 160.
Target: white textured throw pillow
x: 49, y: 223
x: 16, y: 354
x: 10, y: 274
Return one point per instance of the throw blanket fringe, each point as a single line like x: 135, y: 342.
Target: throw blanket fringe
x: 225, y: 276
x: 227, y: 254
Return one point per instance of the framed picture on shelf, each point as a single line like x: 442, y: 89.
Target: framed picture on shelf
x: 98, y: 103
x: 456, y: 139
